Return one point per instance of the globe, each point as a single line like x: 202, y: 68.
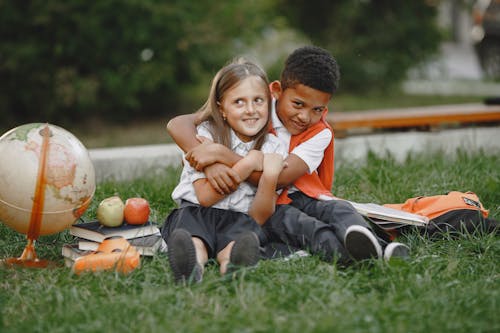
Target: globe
x: 47, y: 179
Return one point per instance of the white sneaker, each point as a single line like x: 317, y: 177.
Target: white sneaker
x: 396, y: 250
x: 361, y: 243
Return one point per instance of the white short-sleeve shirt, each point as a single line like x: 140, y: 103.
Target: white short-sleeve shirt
x: 241, y: 199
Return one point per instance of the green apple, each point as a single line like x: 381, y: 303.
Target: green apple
x: 110, y: 211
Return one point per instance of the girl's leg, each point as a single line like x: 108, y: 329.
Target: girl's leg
x: 201, y: 251
x: 223, y: 257
x: 187, y: 256
x: 242, y: 252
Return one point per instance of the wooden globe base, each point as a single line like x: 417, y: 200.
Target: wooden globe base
x: 27, y: 259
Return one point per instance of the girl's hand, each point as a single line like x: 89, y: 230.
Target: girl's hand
x: 223, y: 179
x: 273, y: 163
x: 256, y: 158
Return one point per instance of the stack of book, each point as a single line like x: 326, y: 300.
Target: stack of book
x: 145, y: 238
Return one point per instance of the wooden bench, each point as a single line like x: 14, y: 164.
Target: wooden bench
x: 417, y: 117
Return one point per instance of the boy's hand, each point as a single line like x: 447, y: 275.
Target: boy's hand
x: 203, y: 155
x: 223, y: 179
x: 273, y: 163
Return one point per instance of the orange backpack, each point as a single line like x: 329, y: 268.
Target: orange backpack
x: 452, y: 212
x: 438, y: 205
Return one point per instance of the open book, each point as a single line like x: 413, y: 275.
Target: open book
x: 389, y: 217
x: 385, y: 217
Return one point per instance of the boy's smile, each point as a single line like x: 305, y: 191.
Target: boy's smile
x: 299, y: 107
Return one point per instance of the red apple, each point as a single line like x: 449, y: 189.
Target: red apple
x: 110, y: 212
x: 136, y: 211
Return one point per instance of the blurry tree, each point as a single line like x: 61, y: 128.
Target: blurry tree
x: 65, y: 61
x: 374, y: 41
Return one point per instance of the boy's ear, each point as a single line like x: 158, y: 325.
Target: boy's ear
x: 275, y: 88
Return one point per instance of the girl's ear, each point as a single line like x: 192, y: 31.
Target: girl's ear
x: 275, y: 88
x: 222, y: 112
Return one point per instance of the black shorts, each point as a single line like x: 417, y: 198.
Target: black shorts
x: 216, y: 227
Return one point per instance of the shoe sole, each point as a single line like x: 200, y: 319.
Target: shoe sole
x: 396, y: 250
x: 245, y: 251
x: 182, y: 257
x: 361, y: 244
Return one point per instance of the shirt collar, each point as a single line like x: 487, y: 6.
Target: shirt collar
x: 236, y: 142
x: 274, y: 116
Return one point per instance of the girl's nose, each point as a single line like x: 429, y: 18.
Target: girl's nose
x: 250, y: 108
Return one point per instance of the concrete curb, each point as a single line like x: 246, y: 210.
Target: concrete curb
x: 128, y: 163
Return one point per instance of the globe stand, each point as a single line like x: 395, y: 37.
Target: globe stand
x: 28, y: 258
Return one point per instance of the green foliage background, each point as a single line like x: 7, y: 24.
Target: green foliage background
x: 375, y: 42
x: 122, y: 60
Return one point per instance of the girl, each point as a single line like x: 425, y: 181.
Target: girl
x: 209, y: 224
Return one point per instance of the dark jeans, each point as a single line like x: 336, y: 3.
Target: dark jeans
x: 313, y: 225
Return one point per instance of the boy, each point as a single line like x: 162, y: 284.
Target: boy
x: 307, y: 215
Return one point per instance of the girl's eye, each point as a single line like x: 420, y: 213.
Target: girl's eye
x: 239, y: 102
x: 259, y: 100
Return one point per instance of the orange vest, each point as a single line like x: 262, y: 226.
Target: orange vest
x: 321, y: 180
x: 434, y: 206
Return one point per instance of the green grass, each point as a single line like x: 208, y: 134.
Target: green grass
x: 448, y: 285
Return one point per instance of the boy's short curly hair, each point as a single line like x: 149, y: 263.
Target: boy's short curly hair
x: 311, y: 66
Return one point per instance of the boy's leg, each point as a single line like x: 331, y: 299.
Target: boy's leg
x: 293, y: 227
x: 336, y: 213
x: 350, y: 227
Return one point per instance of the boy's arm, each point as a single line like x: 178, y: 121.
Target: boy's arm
x: 264, y: 203
x: 208, y: 153
x: 295, y: 168
x: 305, y: 157
x: 183, y: 130
x: 208, y: 196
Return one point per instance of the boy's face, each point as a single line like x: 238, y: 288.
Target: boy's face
x: 299, y: 107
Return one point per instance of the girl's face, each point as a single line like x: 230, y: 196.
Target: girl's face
x: 245, y: 107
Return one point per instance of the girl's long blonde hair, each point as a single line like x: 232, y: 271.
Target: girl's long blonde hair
x: 228, y: 76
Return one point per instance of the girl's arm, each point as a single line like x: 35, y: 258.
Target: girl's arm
x: 264, y: 203
x: 208, y: 196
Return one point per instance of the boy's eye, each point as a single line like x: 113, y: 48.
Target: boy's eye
x: 319, y: 110
x: 298, y: 104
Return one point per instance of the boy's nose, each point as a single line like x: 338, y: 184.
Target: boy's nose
x: 303, y: 116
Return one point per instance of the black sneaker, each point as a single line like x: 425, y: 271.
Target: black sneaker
x: 245, y: 252
x: 361, y: 243
x: 182, y: 257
